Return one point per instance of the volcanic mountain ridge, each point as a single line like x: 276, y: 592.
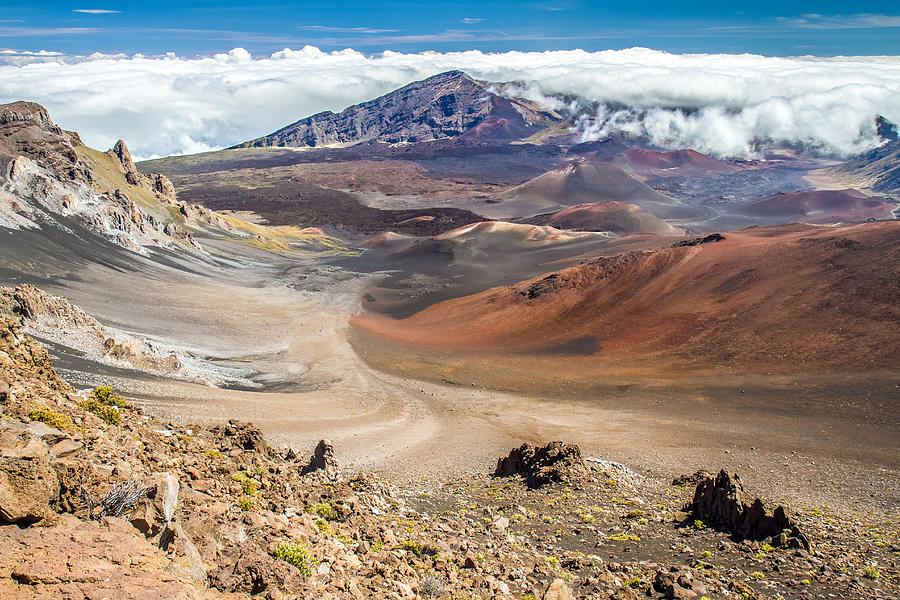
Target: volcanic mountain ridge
x: 448, y: 105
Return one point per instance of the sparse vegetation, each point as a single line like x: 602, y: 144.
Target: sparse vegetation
x: 870, y: 572
x: 432, y: 586
x: 108, y: 414
x: 419, y: 549
x: 247, y: 483
x: 119, y: 500
x: 298, y: 555
x: 105, y: 395
x: 327, y: 511
x: 50, y: 417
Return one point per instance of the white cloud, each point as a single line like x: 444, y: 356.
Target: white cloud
x: 96, y: 11
x: 721, y: 104
x: 470, y: 20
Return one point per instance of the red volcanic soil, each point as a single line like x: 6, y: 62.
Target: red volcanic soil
x: 783, y: 299
x: 824, y: 206
x: 682, y: 162
x: 618, y: 217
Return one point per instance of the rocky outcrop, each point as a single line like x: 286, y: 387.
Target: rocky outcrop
x: 720, y: 502
x: 123, y: 155
x: 323, y: 460
x: 47, y: 173
x: 26, y: 129
x: 241, y: 436
x: 448, y: 105
x: 539, y: 466
x: 886, y: 130
x: 58, y: 320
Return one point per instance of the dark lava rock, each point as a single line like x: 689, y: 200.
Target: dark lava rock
x: 683, y: 480
x: 886, y: 130
x: 719, y: 502
x: 241, y: 435
x: 323, y: 460
x: 713, y: 237
x: 554, y: 462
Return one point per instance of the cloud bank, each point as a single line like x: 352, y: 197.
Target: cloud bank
x: 727, y: 105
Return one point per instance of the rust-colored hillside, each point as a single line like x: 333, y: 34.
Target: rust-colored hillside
x: 774, y: 299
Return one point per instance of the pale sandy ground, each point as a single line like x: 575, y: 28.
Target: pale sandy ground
x: 412, y: 431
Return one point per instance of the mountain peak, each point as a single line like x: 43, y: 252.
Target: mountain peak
x: 443, y: 106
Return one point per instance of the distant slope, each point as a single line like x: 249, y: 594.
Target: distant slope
x: 675, y: 162
x: 583, y: 183
x: 774, y: 299
x: 820, y: 206
x: 448, y: 105
x: 877, y: 170
x: 617, y: 217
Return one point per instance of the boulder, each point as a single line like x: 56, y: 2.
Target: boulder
x: 241, y: 435
x: 153, y: 513
x: 539, y: 466
x: 558, y: 590
x: 28, y: 483
x: 720, y: 502
x: 323, y: 460
x: 186, y: 560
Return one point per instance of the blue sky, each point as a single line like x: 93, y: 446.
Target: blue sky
x: 195, y: 27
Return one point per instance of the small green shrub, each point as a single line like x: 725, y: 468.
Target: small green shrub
x: 706, y: 554
x: 105, y: 395
x: 588, y: 518
x: 636, y: 513
x: 324, y: 526
x: 108, y: 414
x: 212, y: 454
x: 327, y: 511
x: 634, y: 582
x: 624, y: 537
x: 50, y: 417
x: 698, y: 525
x: 419, y: 549
x: 871, y: 572
x: 757, y: 575
x: 245, y: 503
x: 297, y: 555
x: 248, y: 484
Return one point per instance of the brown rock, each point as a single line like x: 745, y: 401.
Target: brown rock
x: 539, y: 466
x: 86, y: 559
x: 558, y: 590
x: 243, y: 436
x: 323, y: 460
x: 28, y: 483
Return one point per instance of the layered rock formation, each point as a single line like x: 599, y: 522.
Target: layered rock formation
x: 48, y: 177
x: 444, y: 106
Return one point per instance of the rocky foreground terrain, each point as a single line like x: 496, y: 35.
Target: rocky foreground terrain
x: 100, y: 500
